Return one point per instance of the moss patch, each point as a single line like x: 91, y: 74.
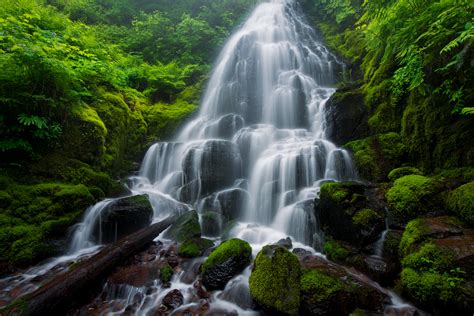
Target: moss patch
x: 414, y: 233
x: 230, y: 248
x: 319, y: 286
x: 461, y: 202
x: 186, y: 227
x: 410, y: 196
x: 166, y: 273
x: 403, y: 171
x: 335, y: 251
x: 194, y: 247
x: 275, y: 280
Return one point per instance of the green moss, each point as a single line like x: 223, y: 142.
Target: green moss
x: 230, y: 248
x: 403, y: 171
x: 335, y: 191
x: 414, y: 234
x: 461, y: 202
x: 335, y: 251
x: 358, y: 312
x: 186, y: 227
x: 464, y: 174
x: 166, y: 273
x: 365, y: 218
x: 376, y: 155
x: 194, y: 247
x: 409, y: 196
x: 429, y: 257
x: 319, y: 286
x: 275, y: 280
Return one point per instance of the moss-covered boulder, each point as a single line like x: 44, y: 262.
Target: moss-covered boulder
x: 461, y: 202
x: 403, y: 171
x: 375, y: 156
x: 437, y: 261
x: 225, y: 262
x: 412, y: 196
x: 194, y: 247
x: 346, y: 213
x: 186, y: 227
x: 275, y: 280
x: 123, y: 217
x: 328, y: 289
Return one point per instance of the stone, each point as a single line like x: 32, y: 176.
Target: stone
x: 186, y: 227
x: 173, y: 299
x: 285, y: 242
x: 123, y: 217
x: 275, y: 280
x: 225, y: 262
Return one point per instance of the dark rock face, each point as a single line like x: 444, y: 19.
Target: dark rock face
x: 186, y: 227
x: 347, y: 211
x: 328, y: 289
x: 232, y: 201
x: 173, y: 299
x: 227, y: 125
x: 346, y: 117
x: 123, y: 217
x: 218, y: 163
x: 225, y: 262
x: 286, y: 242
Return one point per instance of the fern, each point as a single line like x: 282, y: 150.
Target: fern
x: 28, y: 120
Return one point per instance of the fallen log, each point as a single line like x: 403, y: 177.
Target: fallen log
x: 78, y: 285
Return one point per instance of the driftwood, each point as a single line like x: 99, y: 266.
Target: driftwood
x: 78, y: 285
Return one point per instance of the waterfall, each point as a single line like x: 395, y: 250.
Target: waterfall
x: 259, y: 133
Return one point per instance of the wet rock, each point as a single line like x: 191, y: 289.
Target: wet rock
x: 173, y: 261
x: 275, y: 280
x: 300, y: 252
x: 135, y: 275
x: 211, y: 223
x: 200, y: 291
x: 218, y: 162
x: 231, y: 202
x: 346, y: 117
x: 173, y: 299
x: 186, y: 227
x: 123, y: 217
x: 349, y: 211
x: 200, y: 308
x: 330, y: 289
x: 225, y: 262
x: 285, y: 242
x: 238, y: 292
x: 191, y: 270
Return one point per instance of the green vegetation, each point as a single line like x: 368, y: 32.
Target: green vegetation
x: 336, y: 251
x: 461, y: 202
x: 194, y: 247
x: 403, y: 171
x: 228, y: 249
x: 366, y: 218
x: 275, y: 280
x: 166, y: 273
x: 319, y: 286
x: 411, y: 196
x: 413, y: 235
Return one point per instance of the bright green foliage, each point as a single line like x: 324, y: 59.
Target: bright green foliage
x: 336, y: 251
x: 335, y: 191
x: 319, y: 286
x: 403, y: 171
x: 229, y: 248
x: 275, y: 280
x: 461, y: 202
x: 194, y: 247
x: 166, y: 273
x: 409, y: 196
x: 413, y: 235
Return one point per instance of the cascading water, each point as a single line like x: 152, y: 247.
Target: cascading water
x: 258, y: 140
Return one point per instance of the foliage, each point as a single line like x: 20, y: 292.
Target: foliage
x: 413, y: 235
x: 194, y: 247
x: 186, y: 227
x: 166, y: 273
x: 336, y: 251
x: 318, y: 285
x: 403, y: 171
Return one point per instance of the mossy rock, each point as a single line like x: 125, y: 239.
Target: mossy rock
x: 375, y: 156
x: 336, y: 251
x: 194, y: 247
x: 412, y: 196
x: 225, y: 262
x: 415, y: 233
x: 346, y: 213
x: 186, y: 227
x: 461, y: 202
x: 275, y: 280
x: 403, y: 171
x: 166, y: 273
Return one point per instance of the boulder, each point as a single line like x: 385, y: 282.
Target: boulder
x: 348, y: 211
x: 329, y: 289
x: 216, y: 164
x: 173, y: 299
x: 211, y: 223
x: 226, y: 126
x: 346, y: 117
x: 186, y: 227
x: 232, y: 202
x: 122, y: 217
x: 225, y: 262
x: 275, y: 281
